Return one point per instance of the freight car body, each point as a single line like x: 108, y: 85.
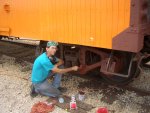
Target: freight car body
x: 83, y: 28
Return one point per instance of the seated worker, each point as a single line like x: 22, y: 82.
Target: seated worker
x: 45, y: 66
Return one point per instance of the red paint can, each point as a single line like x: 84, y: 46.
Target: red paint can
x: 102, y: 110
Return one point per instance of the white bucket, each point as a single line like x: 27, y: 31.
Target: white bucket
x: 81, y: 96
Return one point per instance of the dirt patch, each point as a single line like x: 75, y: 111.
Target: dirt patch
x: 18, y: 51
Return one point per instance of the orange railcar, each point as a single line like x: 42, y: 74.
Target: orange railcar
x: 96, y: 23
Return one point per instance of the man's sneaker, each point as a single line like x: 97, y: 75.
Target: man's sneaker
x: 62, y: 89
x: 32, y: 92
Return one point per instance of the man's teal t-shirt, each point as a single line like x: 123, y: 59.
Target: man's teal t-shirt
x: 41, y: 68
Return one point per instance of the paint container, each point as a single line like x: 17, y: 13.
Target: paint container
x: 61, y: 100
x: 73, y: 104
x: 81, y: 96
x: 102, y: 110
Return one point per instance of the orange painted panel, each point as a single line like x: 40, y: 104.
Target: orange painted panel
x: 84, y: 22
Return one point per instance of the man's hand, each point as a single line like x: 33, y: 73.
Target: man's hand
x: 57, y: 70
x: 75, y: 68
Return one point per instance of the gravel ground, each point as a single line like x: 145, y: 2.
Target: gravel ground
x: 15, y: 98
x: 143, y: 81
x: 15, y: 89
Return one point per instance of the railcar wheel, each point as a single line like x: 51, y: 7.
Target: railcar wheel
x: 147, y: 42
x: 122, y: 65
x: 146, y: 49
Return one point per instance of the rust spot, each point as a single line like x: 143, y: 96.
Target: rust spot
x: 7, y: 8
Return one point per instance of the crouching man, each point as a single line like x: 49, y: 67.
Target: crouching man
x: 45, y: 66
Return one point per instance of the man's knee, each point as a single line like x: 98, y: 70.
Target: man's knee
x: 58, y: 74
x: 48, y: 91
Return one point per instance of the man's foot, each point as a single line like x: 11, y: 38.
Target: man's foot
x: 62, y: 89
x: 54, y: 100
x: 32, y: 92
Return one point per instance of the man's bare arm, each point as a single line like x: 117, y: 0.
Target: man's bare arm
x: 62, y: 71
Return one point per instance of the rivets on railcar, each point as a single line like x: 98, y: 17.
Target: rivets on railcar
x: 7, y: 8
x: 91, y: 38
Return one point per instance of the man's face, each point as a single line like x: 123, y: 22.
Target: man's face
x: 51, y: 50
